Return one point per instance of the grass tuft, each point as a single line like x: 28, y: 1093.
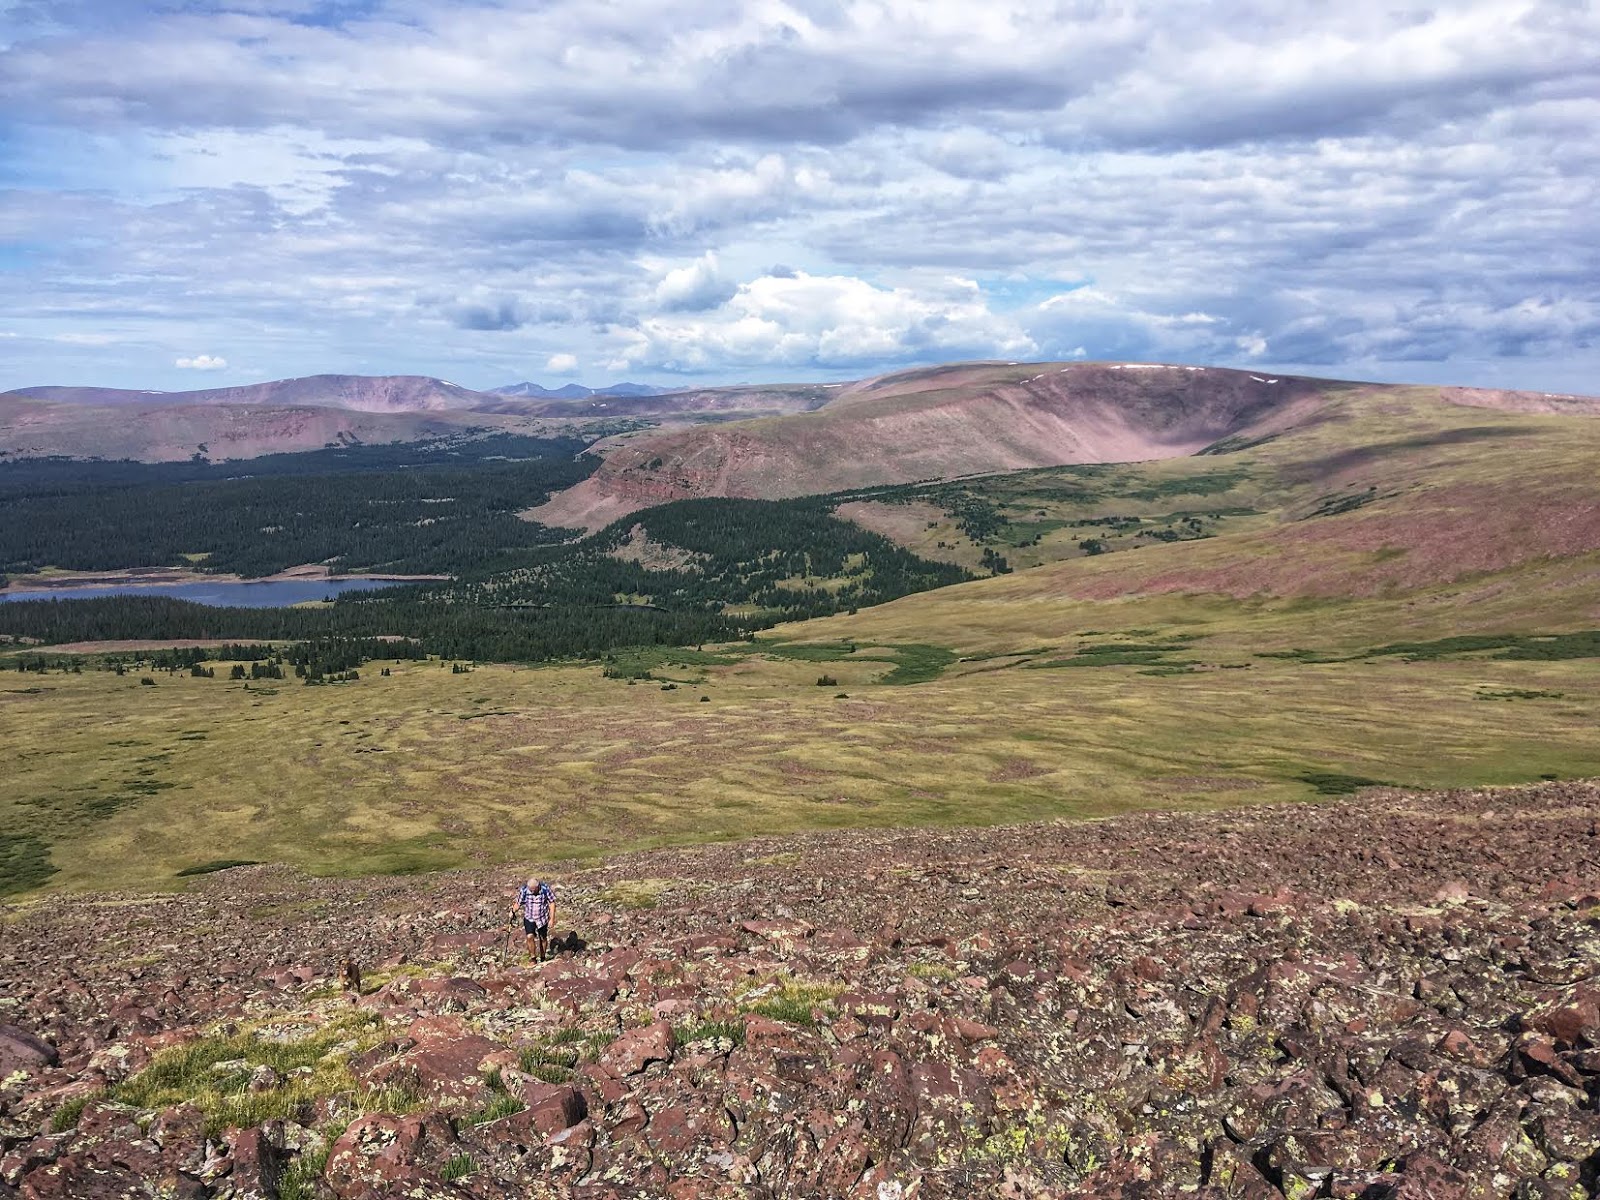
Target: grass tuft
x: 498, y: 1108
x: 214, y: 1074
x: 66, y: 1117
x: 555, y: 1056
x: 708, y: 1031
x: 795, y: 1003
x: 300, y: 1181
x: 634, y: 894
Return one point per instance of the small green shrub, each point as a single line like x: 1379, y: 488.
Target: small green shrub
x: 1333, y: 783
x: 215, y: 865
x: 66, y: 1117
x: 299, y: 1182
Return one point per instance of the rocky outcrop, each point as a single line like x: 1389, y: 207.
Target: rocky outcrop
x: 1393, y: 996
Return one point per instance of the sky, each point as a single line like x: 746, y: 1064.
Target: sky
x: 196, y: 194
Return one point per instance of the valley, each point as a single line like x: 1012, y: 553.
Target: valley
x: 799, y: 601
x: 1287, y: 603
x: 1174, y: 776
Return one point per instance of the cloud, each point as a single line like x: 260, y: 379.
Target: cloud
x: 973, y: 154
x: 694, y: 288
x: 495, y: 316
x: 381, y: 185
x: 784, y: 73
x: 828, y: 321
x: 202, y: 362
x: 562, y: 364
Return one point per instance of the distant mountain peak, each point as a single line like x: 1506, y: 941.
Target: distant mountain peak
x: 576, y: 391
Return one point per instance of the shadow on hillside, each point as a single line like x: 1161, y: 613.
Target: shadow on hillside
x: 1359, y: 456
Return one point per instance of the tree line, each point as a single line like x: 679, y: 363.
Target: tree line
x: 785, y: 559
x: 518, y: 592
x: 426, y: 518
x: 447, y: 630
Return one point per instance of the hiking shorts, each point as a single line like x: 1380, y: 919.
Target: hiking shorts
x: 529, y: 928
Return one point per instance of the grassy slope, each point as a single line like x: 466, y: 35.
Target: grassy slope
x: 571, y: 764
x: 128, y: 784
x: 1476, y: 520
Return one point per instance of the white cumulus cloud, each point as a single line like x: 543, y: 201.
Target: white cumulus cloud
x: 1371, y: 189
x: 561, y: 364
x: 202, y: 362
x: 797, y: 319
x: 694, y: 288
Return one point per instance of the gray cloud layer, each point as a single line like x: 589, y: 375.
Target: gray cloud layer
x: 473, y: 188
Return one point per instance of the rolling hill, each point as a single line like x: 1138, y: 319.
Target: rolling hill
x: 356, y: 393
x: 940, y: 423
x: 668, y: 408
x: 1395, y: 515
x: 1307, y: 602
x: 290, y: 415
x: 37, y: 428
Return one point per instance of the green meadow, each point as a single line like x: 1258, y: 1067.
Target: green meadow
x: 112, y: 783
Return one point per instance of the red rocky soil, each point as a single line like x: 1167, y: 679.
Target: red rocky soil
x: 1392, y: 996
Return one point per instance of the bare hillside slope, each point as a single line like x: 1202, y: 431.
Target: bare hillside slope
x: 358, y: 393
x: 165, y: 433
x: 941, y: 423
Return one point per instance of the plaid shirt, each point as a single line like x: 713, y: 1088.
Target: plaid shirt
x: 535, y: 906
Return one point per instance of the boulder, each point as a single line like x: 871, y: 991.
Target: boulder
x: 553, y: 1107
x: 79, y: 1177
x: 444, y: 1063
x: 24, y: 1051
x: 258, y: 1163
x: 581, y: 989
x: 379, y: 1157
x: 785, y: 934
x: 637, y: 1049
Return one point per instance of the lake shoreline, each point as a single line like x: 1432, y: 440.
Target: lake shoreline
x: 169, y: 576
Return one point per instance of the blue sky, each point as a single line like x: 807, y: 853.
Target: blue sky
x: 712, y: 190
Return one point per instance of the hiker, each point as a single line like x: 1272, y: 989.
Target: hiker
x: 537, y: 905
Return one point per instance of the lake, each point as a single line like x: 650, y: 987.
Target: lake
x: 276, y: 593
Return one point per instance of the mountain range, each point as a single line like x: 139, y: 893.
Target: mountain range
x: 355, y: 393
x: 576, y: 391
x: 751, y: 441
x: 312, y: 411
x: 971, y: 418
